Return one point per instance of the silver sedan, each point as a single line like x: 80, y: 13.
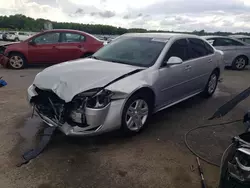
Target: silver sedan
x: 123, y: 83
x: 243, y: 38
x: 236, y: 52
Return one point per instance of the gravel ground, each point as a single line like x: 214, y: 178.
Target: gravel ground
x: 155, y: 158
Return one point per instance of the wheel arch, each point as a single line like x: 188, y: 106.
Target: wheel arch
x: 145, y: 89
x: 18, y: 52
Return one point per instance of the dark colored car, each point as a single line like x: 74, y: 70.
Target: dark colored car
x: 50, y: 47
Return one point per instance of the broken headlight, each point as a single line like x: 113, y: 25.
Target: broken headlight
x: 99, y: 100
x: 96, y: 98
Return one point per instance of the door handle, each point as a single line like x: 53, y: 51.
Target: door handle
x: 187, y: 67
x: 210, y: 61
x: 79, y: 46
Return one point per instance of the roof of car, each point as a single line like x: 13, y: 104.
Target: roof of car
x: 214, y: 36
x: 239, y: 36
x: 160, y: 35
x: 71, y: 30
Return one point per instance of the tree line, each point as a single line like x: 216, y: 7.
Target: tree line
x: 21, y: 22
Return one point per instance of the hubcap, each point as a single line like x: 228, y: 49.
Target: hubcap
x: 16, y: 62
x: 212, y: 83
x: 137, y: 114
x: 240, y: 63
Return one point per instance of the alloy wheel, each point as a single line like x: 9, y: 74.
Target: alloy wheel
x: 212, y: 83
x: 137, y: 115
x: 16, y: 62
x: 240, y: 63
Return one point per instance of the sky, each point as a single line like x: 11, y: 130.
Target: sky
x: 177, y: 15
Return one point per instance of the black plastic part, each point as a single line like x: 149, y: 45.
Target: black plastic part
x: 33, y: 153
x: 223, y: 110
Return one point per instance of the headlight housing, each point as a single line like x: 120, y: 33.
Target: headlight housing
x: 96, y: 99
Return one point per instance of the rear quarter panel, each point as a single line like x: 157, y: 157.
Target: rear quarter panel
x: 92, y: 45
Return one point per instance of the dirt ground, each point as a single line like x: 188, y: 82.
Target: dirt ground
x: 155, y: 158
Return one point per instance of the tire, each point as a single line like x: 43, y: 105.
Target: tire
x: 240, y: 63
x: 17, y: 61
x: 16, y: 40
x: 141, y: 106
x: 211, y: 85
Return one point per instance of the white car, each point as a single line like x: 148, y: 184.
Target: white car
x: 18, y: 36
x: 124, y: 82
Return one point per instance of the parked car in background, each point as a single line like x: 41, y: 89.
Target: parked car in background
x: 124, y: 82
x: 51, y: 46
x: 236, y: 52
x: 244, y: 38
x: 11, y: 36
x: 1, y: 35
x: 17, y: 36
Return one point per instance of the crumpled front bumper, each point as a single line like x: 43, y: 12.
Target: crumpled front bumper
x: 4, y: 60
x: 99, y: 120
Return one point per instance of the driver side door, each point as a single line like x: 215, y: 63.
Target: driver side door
x: 174, y: 81
x: 45, y: 48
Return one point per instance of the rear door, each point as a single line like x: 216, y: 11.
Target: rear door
x: 202, y: 62
x: 45, y: 48
x: 71, y: 46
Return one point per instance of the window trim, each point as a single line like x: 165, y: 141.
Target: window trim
x: 190, y: 58
x: 62, y: 32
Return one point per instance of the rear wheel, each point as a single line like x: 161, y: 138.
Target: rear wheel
x: 211, y: 84
x: 240, y: 63
x: 17, y: 61
x: 16, y: 39
x: 136, y: 113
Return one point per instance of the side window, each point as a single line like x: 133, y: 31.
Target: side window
x: 47, y: 38
x: 227, y: 42
x: 178, y: 49
x: 209, y: 48
x: 72, y: 37
x: 197, y: 48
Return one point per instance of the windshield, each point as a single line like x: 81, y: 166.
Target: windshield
x: 137, y: 51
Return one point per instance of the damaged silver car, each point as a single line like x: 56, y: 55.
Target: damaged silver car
x: 123, y: 83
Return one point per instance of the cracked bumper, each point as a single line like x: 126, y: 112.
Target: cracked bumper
x: 99, y: 120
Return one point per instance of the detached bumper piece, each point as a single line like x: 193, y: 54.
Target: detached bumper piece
x: 47, y: 135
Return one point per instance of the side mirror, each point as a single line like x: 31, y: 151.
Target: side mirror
x: 31, y: 42
x: 173, y: 61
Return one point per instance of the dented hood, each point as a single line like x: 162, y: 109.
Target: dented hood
x: 71, y: 78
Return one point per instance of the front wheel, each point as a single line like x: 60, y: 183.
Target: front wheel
x: 17, y: 61
x: 135, y: 114
x: 211, y: 85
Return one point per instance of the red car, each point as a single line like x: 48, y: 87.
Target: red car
x: 52, y: 46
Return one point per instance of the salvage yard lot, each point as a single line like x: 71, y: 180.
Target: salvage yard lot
x: 155, y: 158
